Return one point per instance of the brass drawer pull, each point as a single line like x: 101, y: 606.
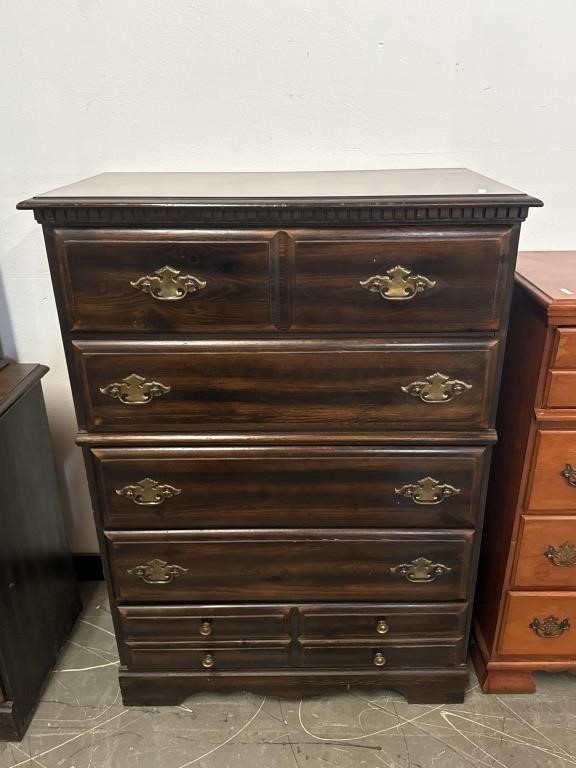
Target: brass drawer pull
x: 549, y: 627
x: 382, y: 627
x: 421, y: 570
x: 205, y: 628
x: 167, y: 284
x: 438, y: 388
x: 135, y: 390
x: 563, y: 556
x: 158, y: 572
x: 148, y: 492
x: 379, y: 659
x: 208, y: 661
x: 570, y: 474
x: 427, y: 491
x: 398, y: 284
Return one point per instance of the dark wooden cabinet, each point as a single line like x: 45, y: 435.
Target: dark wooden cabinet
x: 525, y: 617
x: 38, y: 594
x: 286, y: 388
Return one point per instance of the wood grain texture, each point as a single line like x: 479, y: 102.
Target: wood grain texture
x: 330, y: 564
x: 275, y: 487
x: 522, y: 608
x: 561, y: 389
x: 549, y: 490
x: 295, y: 383
x: 564, y: 354
x: 533, y: 568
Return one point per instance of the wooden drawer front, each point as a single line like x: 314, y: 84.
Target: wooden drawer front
x: 207, y: 659
x: 329, y: 564
x: 98, y: 267
x: 385, y: 656
x: 561, y: 389
x: 553, y: 619
x: 325, y: 384
x: 382, y: 622
x: 564, y: 355
x: 300, y: 487
x: 552, y: 490
x: 546, y: 552
x: 203, y: 624
x: 466, y: 270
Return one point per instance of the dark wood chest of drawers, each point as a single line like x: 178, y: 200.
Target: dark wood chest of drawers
x: 286, y: 387
x: 525, y: 618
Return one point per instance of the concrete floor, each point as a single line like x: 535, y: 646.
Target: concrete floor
x: 81, y: 723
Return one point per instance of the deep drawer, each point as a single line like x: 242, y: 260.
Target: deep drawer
x: 218, y: 282
x: 299, y: 487
x: 539, y: 624
x: 286, y: 565
x: 546, y: 552
x: 400, y: 279
x: 411, y: 384
x: 416, y: 655
x: 201, y: 624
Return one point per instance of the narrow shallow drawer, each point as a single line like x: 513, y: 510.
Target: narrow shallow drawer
x: 111, y: 280
x: 329, y: 384
x: 540, y: 624
x: 564, y: 353
x: 560, y: 389
x: 387, y: 622
x: 207, y: 659
x: 300, y: 487
x: 553, y: 484
x: 403, y: 279
x: 415, y: 654
x: 546, y: 552
x: 327, y: 564
x: 203, y: 623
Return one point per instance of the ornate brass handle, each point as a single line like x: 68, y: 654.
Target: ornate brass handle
x: 549, y: 627
x: 205, y: 628
x: 427, y: 491
x: 167, y: 284
x: 208, y: 661
x: 421, y: 570
x: 570, y: 474
x: 157, y: 572
x: 148, y: 492
x: 379, y: 659
x: 382, y: 627
x: 563, y: 556
x: 135, y: 390
x: 398, y: 284
x: 438, y: 388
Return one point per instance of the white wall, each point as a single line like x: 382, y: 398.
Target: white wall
x: 95, y: 85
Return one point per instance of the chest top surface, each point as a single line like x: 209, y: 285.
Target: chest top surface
x: 549, y: 277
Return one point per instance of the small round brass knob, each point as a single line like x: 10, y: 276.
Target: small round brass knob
x: 206, y: 628
x: 382, y: 627
x: 379, y: 659
x: 208, y: 661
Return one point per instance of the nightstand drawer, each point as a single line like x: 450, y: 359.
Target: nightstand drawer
x: 402, y: 280
x: 269, y: 565
x: 165, y: 281
x: 328, y: 384
x: 546, y: 552
x: 318, y: 486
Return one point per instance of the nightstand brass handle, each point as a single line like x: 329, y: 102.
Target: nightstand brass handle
x: 208, y: 661
x: 382, y: 627
x: 135, y: 390
x: 148, y: 492
x: 206, y: 628
x: 563, y: 556
x: 570, y: 474
x: 549, y: 627
x: 421, y: 570
x: 398, y: 284
x: 379, y: 659
x: 157, y: 572
x: 427, y: 491
x: 167, y: 284
x: 438, y: 388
